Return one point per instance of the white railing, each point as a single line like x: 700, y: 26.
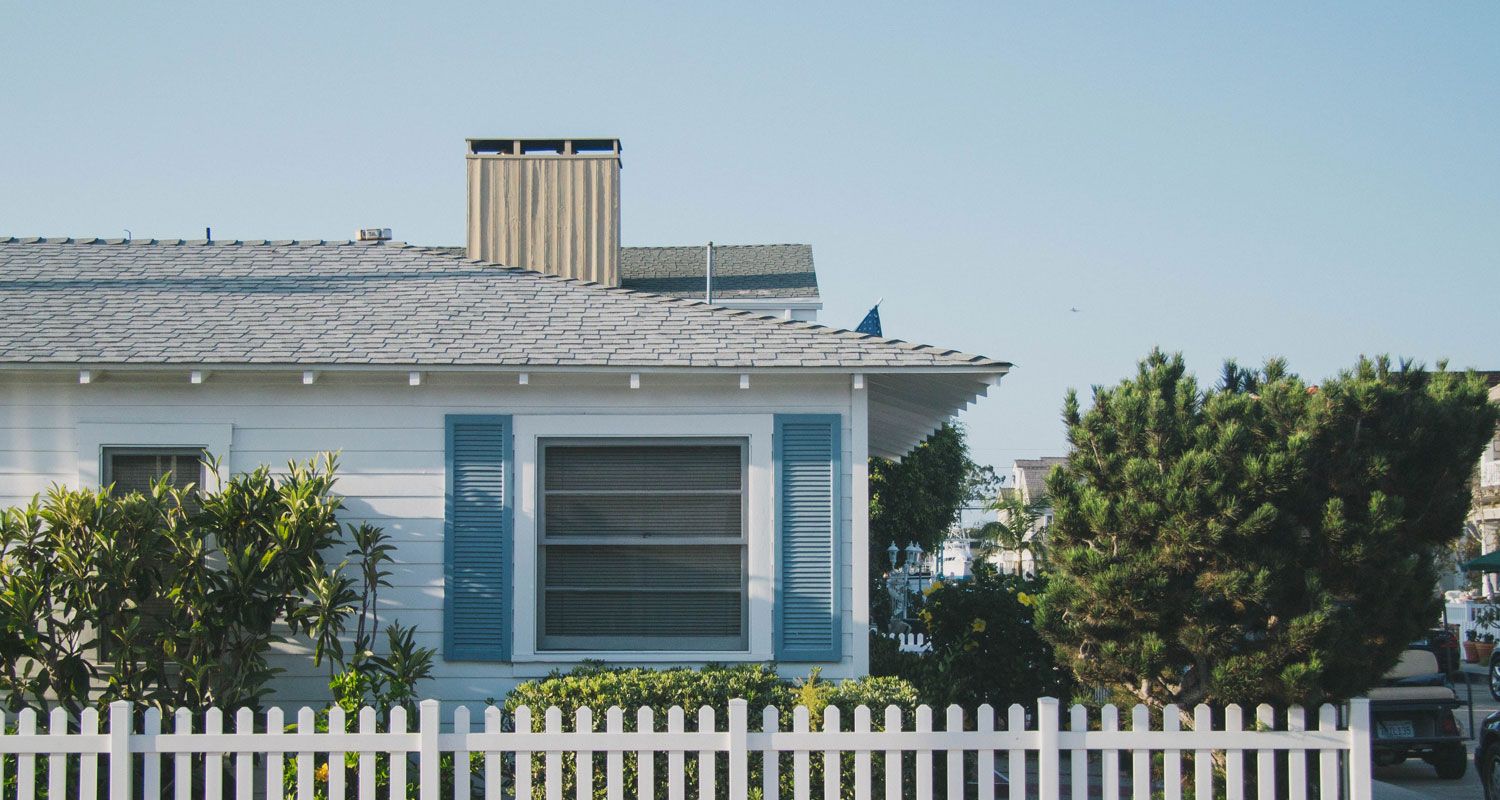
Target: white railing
x: 1280, y: 755
x: 912, y: 642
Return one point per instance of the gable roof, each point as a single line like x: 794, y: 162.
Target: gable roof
x: 95, y: 301
x: 740, y: 271
x: 1031, y: 475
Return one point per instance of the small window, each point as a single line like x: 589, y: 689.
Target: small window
x: 134, y: 469
x: 642, y: 545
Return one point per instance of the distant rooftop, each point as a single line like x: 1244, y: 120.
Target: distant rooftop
x: 741, y: 272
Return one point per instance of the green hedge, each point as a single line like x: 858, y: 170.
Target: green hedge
x: 598, y: 687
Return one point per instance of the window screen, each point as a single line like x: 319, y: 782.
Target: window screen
x: 134, y: 469
x: 642, y: 545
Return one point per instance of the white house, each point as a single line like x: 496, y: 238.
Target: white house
x: 571, y: 469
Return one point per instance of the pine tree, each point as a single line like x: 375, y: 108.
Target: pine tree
x: 1261, y: 541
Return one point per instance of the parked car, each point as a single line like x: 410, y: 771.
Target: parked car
x: 1413, y: 716
x: 1443, y: 643
x: 1487, y: 756
x: 1495, y: 675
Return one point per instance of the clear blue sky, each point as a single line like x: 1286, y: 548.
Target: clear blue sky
x: 1247, y: 181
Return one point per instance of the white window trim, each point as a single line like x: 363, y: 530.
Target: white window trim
x: 756, y: 429
x: 94, y: 437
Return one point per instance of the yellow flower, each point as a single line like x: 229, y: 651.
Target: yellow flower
x: 978, y: 626
x: 1026, y: 599
x: 932, y: 587
x: 322, y: 773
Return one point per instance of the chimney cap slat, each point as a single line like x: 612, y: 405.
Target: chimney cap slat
x: 543, y: 146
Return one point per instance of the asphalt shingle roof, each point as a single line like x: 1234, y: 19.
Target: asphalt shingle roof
x: 96, y: 301
x: 740, y: 271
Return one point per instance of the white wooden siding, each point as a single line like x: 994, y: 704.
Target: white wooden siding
x: 390, y: 441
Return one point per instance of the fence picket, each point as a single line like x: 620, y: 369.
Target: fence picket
x: 833, y: 760
x: 861, y: 757
x: 893, y: 757
x: 1360, y: 757
x: 306, y: 726
x: 182, y: 774
x: 1016, y: 759
x: 984, y: 758
x: 1048, y: 761
x: 337, y: 724
x: 26, y: 762
x: 57, y: 763
x: 4, y: 726
x: 1234, y: 758
x: 244, y: 761
x: 800, y: 777
x: 676, y: 776
x: 429, y: 770
x: 1109, y: 722
x: 1296, y: 760
x: 461, y: 776
x: 739, y: 748
x: 614, y: 760
x: 1203, y: 764
x: 151, y: 762
x: 1171, y: 760
x: 88, y: 764
x: 1328, y: 759
x: 553, y: 760
x: 954, y: 723
x: 492, y: 779
x: 770, y: 763
x: 583, y: 722
x: 523, y: 757
x: 705, y: 757
x: 645, y: 760
x: 1265, y: 757
x: 275, y: 762
x: 366, y: 757
x: 1140, y: 757
x: 1078, y: 758
x: 924, y: 755
x: 400, y: 758
x: 213, y: 763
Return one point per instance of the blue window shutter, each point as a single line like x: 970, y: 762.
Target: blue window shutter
x: 477, y: 539
x: 808, y: 476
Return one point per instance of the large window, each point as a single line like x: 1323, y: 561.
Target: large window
x: 134, y: 469
x: 642, y: 545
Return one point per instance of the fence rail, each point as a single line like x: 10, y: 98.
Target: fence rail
x: 1029, y: 753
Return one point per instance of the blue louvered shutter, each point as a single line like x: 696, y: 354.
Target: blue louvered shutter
x: 808, y: 467
x: 477, y: 539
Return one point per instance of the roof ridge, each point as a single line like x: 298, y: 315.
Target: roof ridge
x: 717, y: 245
x: 96, y: 240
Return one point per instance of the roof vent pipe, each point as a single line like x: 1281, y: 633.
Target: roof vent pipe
x: 708, y: 285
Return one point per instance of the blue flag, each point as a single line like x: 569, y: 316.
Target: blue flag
x: 871, y: 323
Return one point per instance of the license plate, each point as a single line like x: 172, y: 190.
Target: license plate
x: 1397, y: 729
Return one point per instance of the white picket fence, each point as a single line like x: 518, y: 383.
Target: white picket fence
x: 1274, y: 756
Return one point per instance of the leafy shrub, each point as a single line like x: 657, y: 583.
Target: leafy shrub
x: 986, y: 648
x: 169, y: 597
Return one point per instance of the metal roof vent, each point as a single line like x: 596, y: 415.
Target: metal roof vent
x: 373, y: 235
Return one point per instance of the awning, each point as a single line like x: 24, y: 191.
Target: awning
x: 1489, y: 562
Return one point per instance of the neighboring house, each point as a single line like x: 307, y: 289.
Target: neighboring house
x: 1484, y: 516
x: 1029, y: 485
x: 570, y: 469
